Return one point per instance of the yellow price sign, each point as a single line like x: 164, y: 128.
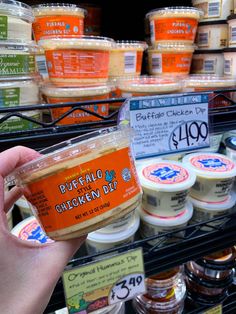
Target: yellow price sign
x: 214, y: 310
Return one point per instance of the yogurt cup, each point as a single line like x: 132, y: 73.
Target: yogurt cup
x: 24, y: 207
x: 126, y: 58
x: 151, y: 225
x: 97, y: 241
x: 174, y: 24
x: 204, y: 211
x: 230, y: 143
x: 232, y: 30
x: 170, y: 58
x: 82, y: 184
x: 62, y: 20
x: 215, y: 176
x: 212, y: 35
x: 16, y: 20
x: 30, y: 230
x: 55, y: 95
x: 77, y: 60
x: 214, y: 10
x: 165, y: 186
x: 208, y: 62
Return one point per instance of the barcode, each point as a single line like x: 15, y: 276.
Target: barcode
x: 152, y: 31
x: 156, y: 63
x: 209, y: 66
x: 130, y: 62
x: 214, y: 9
x: 203, y: 39
x: 227, y: 67
x: 42, y: 65
x: 233, y: 34
x: 153, y: 201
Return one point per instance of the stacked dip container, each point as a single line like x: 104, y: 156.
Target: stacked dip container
x: 18, y: 73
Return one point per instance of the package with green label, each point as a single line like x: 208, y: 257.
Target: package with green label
x: 17, y: 58
x: 18, y: 123
x: 24, y: 91
x: 15, y: 20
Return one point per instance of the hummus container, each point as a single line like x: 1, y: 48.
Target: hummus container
x: 215, y: 176
x: 212, y: 35
x: 230, y: 143
x: 174, y: 24
x: 151, y: 225
x: 232, y: 30
x: 15, y: 20
x: 24, y: 91
x: 58, y: 20
x: 55, y: 95
x: 165, y: 186
x: 24, y: 207
x: 230, y: 62
x: 126, y: 58
x: 204, y: 211
x: 208, y: 62
x: 77, y: 60
x: 82, y: 184
x: 118, y: 308
x: 15, y: 123
x: 214, y: 10
x: 30, y: 230
x: 170, y: 58
x: 97, y: 241
x: 148, y: 85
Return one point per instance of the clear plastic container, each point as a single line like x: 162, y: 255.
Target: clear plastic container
x: 16, y: 20
x: 55, y: 94
x: 174, y: 24
x: 214, y: 10
x: 126, y: 58
x: 208, y: 62
x: 225, y: 258
x: 77, y: 60
x: 58, y: 19
x: 82, y: 184
x: 170, y: 58
x: 215, y: 176
x: 165, y: 186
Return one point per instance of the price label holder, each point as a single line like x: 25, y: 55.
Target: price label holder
x: 168, y: 124
x: 214, y: 310
x: 105, y: 282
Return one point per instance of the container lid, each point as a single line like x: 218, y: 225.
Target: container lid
x: 83, y: 42
x: 150, y: 84
x: 226, y: 260
x: 18, y: 9
x: 115, y: 236
x: 215, y: 206
x: 172, y: 47
x: 21, y: 45
x: 176, y: 11
x: 230, y: 142
x: 53, y: 8
x: 202, y: 299
x: 8, y: 82
x: 208, y: 51
x: 209, y: 81
x: 173, y: 221
x: 77, y: 91
x: 231, y: 17
x: 212, y: 22
x: 166, y: 176
x: 210, y: 165
x: 29, y: 229
x: 126, y: 44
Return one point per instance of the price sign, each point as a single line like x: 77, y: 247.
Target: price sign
x: 214, y: 310
x: 169, y: 124
x: 105, y: 282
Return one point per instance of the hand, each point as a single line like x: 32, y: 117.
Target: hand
x: 28, y: 271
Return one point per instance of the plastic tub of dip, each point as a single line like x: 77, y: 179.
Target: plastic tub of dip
x: 55, y: 95
x: 232, y: 30
x: 230, y: 62
x: 151, y: 225
x: 86, y: 183
x: 215, y: 176
x: 174, y: 24
x: 77, y: 60
x: 165, y: 186
x: 208, y: 62
x: 204, y: 211
x: 214, y: 10
x: 170, y: 58
x: 24, y: 207
x: 97, y: 241
x: 58, y: 20
x: 126, y: 58
x: 212, y: 35
x: 29, y: 229
x: 16, y: 20
x: 230, y: 143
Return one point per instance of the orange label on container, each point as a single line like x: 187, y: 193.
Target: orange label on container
x: 58, y: 25
x: 85, y: 191
x: 178, y: 63
x: 79, y: 64
x: 175, y: 29
x: 79, y: 116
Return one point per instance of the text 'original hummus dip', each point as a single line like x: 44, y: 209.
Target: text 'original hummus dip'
x: 178, y: 24
x: 82, y: 184
x: 77, y: 60
x: 215, y: 176
x: 55, y: 19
